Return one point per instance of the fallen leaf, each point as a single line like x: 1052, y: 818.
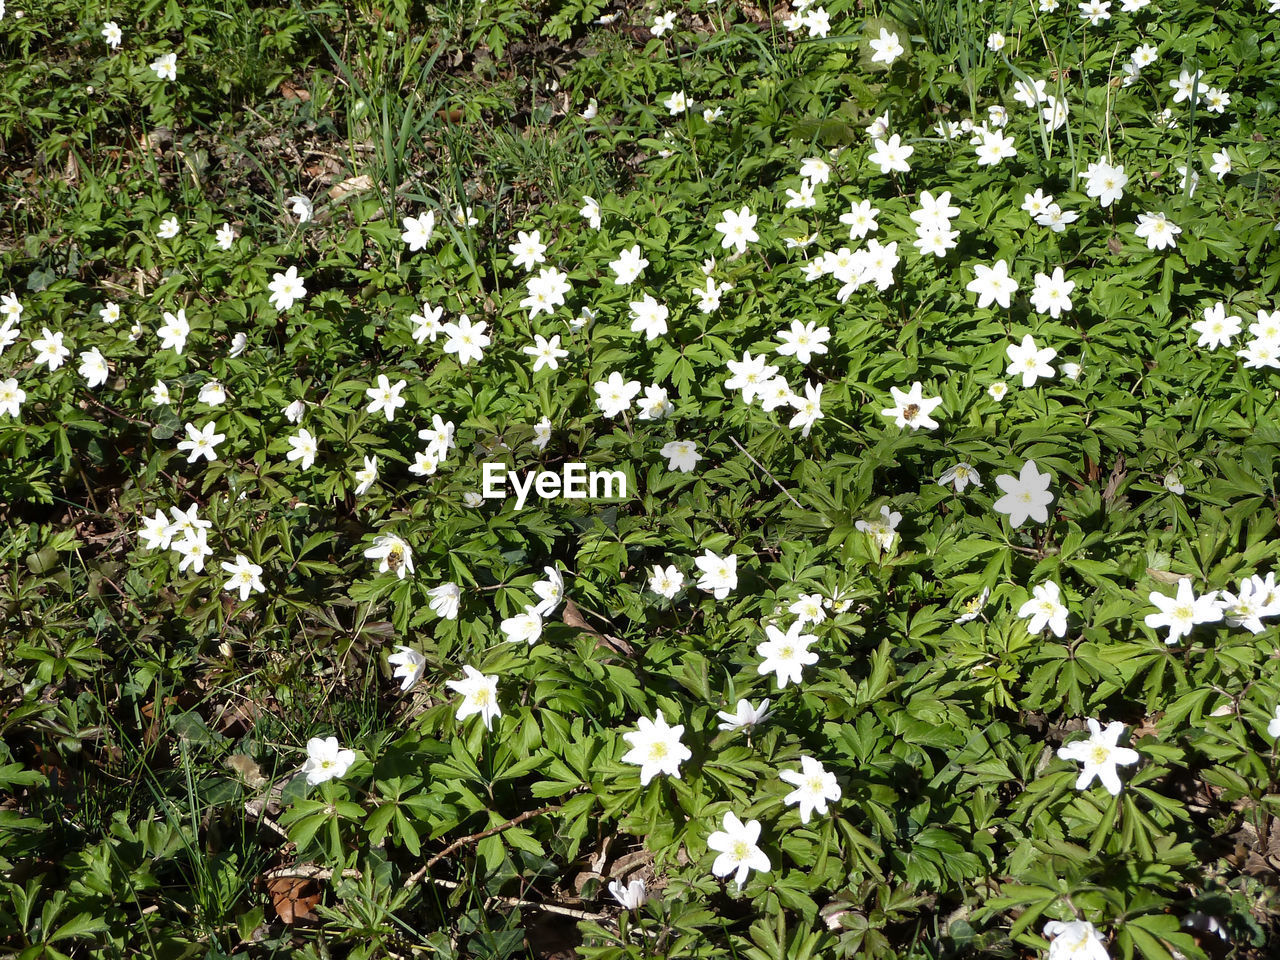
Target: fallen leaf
x: 293, y: 897
x: 291, y: 91
x: 350, y: 185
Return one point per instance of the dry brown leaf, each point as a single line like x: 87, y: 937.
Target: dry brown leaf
x: 248, y: 770
x: 293, y: 897
x: 350, y: 185
x: 1164, y: 576
x: 291, y: 91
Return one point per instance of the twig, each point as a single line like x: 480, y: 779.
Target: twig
x: 471, y: 838
x: 309, y: 871
x: 761, y: 467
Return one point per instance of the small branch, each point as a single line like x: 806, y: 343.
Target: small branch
x: 760, y: 466
x: 309, y: 871
x: 471, y: 838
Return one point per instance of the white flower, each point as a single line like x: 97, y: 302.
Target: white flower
x: 245, y: 576
x: 385, y: 397
x: 409, y: 666
x: 11, y: 309
x: 973, y: 606
x: 1052, y: 294
x: 1029, y: 94
x: 719, y: 574
x: 883, y: 529
x: 750, y: 374
x: 1025, y: 496
x: 802, y: 199
x: 528, y: 250
x: 225, y: 236
x: 590, y: 212
x: 523, y: 627
x: 891, y: 155
x: 960, y: 475
x: 656, y: 747
x: 677, y: 103
x: 1030, y: 361
x: 808, y: 407
x: 656, y: 403
x: 445, y: 600
x: 1216, y: 329
x: 993, y: 146
x: 1181, y: 613
x: 201, y: 442
x: 466, y: 339
x: 194, y: 548
x: 803, y: 340
x: 815, y: 169
x: 418, y: 230
x: 662, y: 23
x: 427, y: 324
x: 1221, y: 165
x: 166, y: 66
x: 213, y: 393
x: 393, y: 553
x: 1074, y: 940
x: 1273, y: 726
x: 1045, y: 608
x: 1158, y: 230
x: 303, y: 448
x: 1095, y: 11
x: 479, y: 695
x: 998, y: 390
x: 11, y: 397
x: 1182, y: 87
x: 301, y: 206
x: 649, y: 316
x: 630, y: 897
x: 1106, y: 182
x: 614, y: 395
x: 814, y: 787
x: 1100, y: 756
x: 286, y: 289
x: 786, y: 654
x: 744, y: 716
x: 995, y: 42
x: 294, y: 411
x: 541, y: 433
x: 93, y: 367
x: 112, y: 33
x: 709, y: 295
x: 886, y: 48
x: 861, y: 219
x: 174, y: 331
x: 738, y: 229
x: 808, y: 608
x: 736, y: 844
x: 239, y: 343
x: 912, y: 408
x: 367, y: 476
x: 666, y: 582
x: 545, y: 353
x: 549, y: 591
x: 682, y: 455
x: 326, y: 760
x: 992, y: 284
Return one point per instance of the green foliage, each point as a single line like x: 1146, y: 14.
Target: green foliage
x: 155, y: 722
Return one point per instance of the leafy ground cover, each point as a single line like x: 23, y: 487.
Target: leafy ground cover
x: 936, y: 343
